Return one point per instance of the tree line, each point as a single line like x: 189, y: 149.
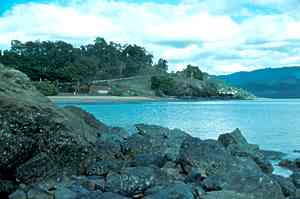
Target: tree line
x: 61, y: 61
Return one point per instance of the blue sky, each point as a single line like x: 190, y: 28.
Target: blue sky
x: 220, y: 36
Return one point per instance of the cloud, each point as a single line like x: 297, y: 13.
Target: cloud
x: 220, y: 36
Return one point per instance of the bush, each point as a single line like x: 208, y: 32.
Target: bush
x: 163, y: 84
x: 47, y: 88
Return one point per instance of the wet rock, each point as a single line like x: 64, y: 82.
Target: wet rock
x: 287, y: 186
x: 227, y: 195
x: 152, y: 139
x: 132, y: 180
x: 238, y: 146
x: 174, y: 191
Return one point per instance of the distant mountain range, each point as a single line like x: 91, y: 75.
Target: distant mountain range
x: 270, y: 82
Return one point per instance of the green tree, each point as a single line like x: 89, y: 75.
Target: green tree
x: 162, y: 65
x: 193, y: 72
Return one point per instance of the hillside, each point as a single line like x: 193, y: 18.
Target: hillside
x: 169, y: 85
x: 270, y: 82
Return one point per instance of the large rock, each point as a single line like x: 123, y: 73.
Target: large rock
x: 236, y: 143
x: 286, y: 184
x: 223, y: 171
x: 208, y: 157
x: 156, y: 140
x: 109, y: 143
x: 37, y: 139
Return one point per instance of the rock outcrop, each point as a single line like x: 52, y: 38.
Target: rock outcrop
x: 237, y: 145
x: 37, y: 139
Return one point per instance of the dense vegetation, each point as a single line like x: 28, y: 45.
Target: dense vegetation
x: 271, y: 82
x: 60, y: 61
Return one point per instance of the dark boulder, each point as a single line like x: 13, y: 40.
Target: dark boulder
x: 245, y: 177
x: 37, y: 139
x: 236, y: 143
x: 109, y: 143
x: 286, y: 184
x: 208, y: 157
x: 223, y: 171
x: 151, y: 139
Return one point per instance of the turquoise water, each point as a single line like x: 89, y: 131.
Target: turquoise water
x: 272, y: 124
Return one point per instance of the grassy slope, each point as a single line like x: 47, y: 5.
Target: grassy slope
x: 138, y: 86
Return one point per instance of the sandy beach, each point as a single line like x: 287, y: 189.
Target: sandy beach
x: 95, y: 99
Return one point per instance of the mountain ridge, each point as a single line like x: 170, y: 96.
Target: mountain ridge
x: 281, y: 82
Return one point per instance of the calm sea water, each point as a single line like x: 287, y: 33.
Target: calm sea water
x: 272, y: 124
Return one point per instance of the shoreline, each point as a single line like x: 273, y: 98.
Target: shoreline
x: 95, y: 99
x: 116, y: 99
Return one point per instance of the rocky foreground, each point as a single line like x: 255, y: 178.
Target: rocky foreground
x: 65, y: 153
